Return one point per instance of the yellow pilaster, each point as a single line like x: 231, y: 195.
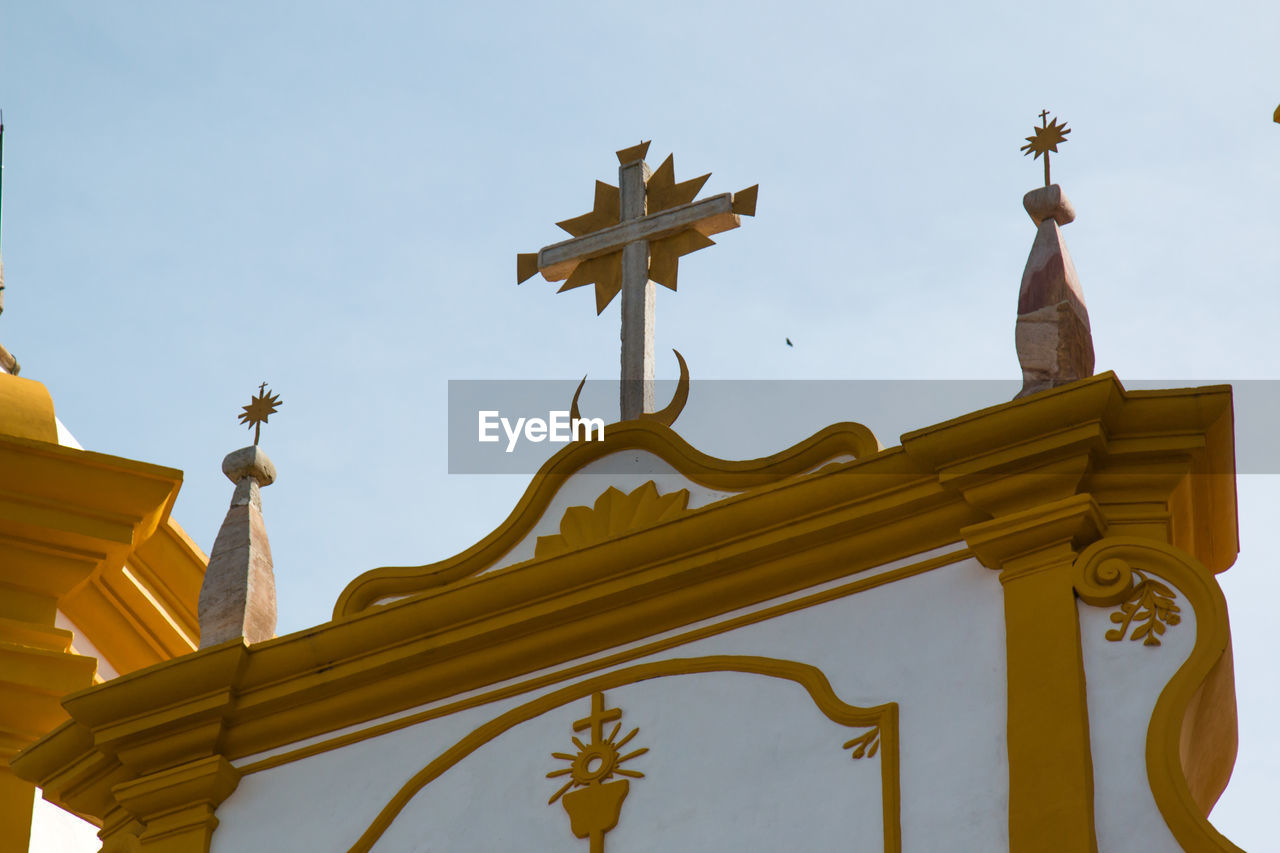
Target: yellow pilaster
x: 16, y: 800
x: 1050, y: 764
x: 37, y: 667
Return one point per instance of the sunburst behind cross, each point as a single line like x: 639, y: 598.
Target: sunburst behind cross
x: 1045, y: 138
x: 262, y: 406
x: 596, y: 762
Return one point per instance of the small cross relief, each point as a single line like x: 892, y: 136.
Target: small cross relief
x: 593, y: 794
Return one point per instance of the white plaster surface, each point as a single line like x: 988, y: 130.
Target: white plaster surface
x: 65, y: 438
x: 1124, y: 681
x: 56, y: 831
x: 737, y: 762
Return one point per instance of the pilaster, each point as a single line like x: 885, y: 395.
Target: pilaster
x: 1050, y: 766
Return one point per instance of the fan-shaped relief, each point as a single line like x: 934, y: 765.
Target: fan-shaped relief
x: 613, y: 514
x: 612, y: 756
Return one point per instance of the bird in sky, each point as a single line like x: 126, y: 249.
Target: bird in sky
x: 789, y: 342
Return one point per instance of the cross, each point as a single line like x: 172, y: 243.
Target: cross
x: 597, y: 718
x: 1044, y: 115
x: 633, y: 238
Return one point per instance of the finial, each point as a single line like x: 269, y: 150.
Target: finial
x: 262, y: 406
x: 1045, y: 138
x: 1052, y: 334
x: 238, y: 595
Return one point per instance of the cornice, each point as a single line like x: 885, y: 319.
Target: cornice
x: 459, y: 631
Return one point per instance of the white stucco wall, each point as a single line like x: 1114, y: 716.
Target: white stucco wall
x: 737, y: 761
x: 56, y: 831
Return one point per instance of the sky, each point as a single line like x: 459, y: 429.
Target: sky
x: 329, y: 197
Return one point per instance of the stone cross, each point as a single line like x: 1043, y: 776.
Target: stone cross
x: 633, y: 238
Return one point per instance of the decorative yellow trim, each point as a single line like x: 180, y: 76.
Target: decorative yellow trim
x: 613, y: 514
x: 603, y: 663
x: 67, y: 518
x: 865, y: 745
x: 839, y: 439
x: 591, y: 795
x: 884, y: 717
x: 1158, y: 463
x: 143, y: 612
x: 17, y: 798
x: 176, y: 805
x: 1185, y: 745
x: 1157, y: 599
x: 26, y: 410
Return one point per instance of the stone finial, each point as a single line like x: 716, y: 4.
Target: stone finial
x: 1055, y: 344
x: 238, y: 596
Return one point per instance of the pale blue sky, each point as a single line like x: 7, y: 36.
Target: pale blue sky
x: 330, y: 197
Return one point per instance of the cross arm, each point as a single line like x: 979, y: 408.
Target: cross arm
x: 709, y: 216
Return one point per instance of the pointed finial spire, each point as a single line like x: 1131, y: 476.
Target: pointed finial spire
x: 238, y: 596
x: 1053, y: 337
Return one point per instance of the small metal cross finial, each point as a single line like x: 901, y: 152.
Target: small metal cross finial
x: 1045, y: 138
x: 262, y: 406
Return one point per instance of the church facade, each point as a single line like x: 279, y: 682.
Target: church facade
x: 1002, y: 632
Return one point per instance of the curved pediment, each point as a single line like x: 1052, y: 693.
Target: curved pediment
x: 631, y: 455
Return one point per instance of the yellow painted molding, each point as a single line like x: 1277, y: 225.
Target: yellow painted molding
x: 846, y: 438
x: 17, y: 797
x: 1159, y: 463
x: 68, y: 519
x: 583, y: 669
x: 176, y: 805
x: 1191, y: 740
x: 465, y: 631
x: 26, y: 410
x: 885, y: 717
x: 79, y: 499
x: 1041, y: 536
